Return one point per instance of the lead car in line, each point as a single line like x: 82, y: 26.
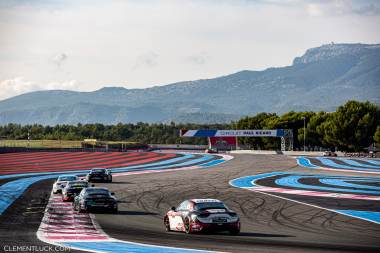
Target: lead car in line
x: 201, y: 215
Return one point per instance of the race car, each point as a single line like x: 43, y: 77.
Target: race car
x: 72, y: 189
x: 99, y: 175
x: 199, y: 215
x: 211, y: 151
x: 62, y: 181
x: 329, y: 153
x: 95, y: 199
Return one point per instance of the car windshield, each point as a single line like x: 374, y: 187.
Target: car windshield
x: 98, y: 170
x: 78, y: 184
x: 67, y: 178
x: 209, y: 205
x: 98, y: 192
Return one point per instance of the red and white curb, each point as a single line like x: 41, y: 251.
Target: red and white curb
x: 61, y: 226
x: 61, y: 223
x: 313, y: 193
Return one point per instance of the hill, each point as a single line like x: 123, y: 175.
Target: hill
x: 322, y: 79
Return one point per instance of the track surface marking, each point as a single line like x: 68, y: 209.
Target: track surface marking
x: 361, y: 193
x: 269, y: 224
x: 60, y: 224
x: 370, y: 166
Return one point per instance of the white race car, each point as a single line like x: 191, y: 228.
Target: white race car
x: 198, y: 215
x: 62, y: 181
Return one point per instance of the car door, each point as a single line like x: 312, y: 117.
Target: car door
x: 175, y: 217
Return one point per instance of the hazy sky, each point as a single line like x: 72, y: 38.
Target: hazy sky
x: 85, y: 45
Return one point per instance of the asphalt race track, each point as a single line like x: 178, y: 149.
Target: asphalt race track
x: 287, y: 208
x: 25, y: 188
x: 358, y: 196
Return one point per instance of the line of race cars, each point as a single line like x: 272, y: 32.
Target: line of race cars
x: 191, y: 216
x: 86, y: 197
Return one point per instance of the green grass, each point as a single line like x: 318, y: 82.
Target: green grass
x: 55, y: 143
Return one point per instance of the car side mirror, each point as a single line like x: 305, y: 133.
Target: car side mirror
x: 112, y: 193
x: 92, y: 185
x: 173, y: 208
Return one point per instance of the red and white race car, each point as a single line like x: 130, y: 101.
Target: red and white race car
x: 196, y: 215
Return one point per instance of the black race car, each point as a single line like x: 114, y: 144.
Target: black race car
x: 95, y: 199
x: 72, y: 189
x: 99, y: 175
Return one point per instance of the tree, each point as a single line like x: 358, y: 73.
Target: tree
x: 376, y: 136
x: 313, y: 130
x: 352, y: 126
x: 260, y: 121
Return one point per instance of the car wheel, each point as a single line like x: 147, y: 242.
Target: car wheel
x: 167, y: 224
x: 187, y: 225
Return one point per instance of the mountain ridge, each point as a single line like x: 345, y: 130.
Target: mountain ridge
x: 321, y: 79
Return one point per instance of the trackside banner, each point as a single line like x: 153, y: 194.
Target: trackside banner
x: 232, y: 133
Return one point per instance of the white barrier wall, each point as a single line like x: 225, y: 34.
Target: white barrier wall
x: 256, y: 152
x: 290, y: 153
x: 303, y: 153
x: 178, y: 146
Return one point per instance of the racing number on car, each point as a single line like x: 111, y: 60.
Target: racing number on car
x: 175, y: 221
